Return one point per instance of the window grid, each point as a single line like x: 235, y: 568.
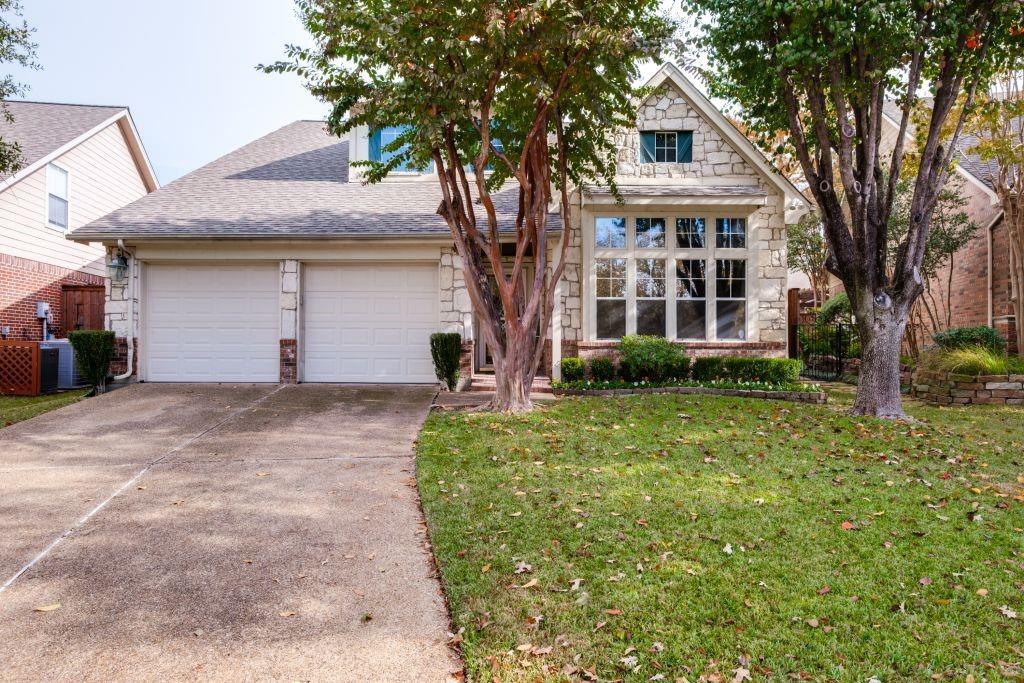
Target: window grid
x: 683, y: 310
x: 665, y: 148
x: 731, y: 233
x: 57, y: 196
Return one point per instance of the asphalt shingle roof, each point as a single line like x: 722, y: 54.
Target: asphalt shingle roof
x: 983, y: 170
x: 41, y: 127
x: 290, y: 183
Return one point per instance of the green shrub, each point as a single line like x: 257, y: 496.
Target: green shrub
x: 767, y: 370
x: 94, y: 350
x: 836, y: 310
x: 970, y: 360
x: 445, y: 349
x: 735, y: 369
x: 964, y: 337
x: 655, y: 359
x: 707, y: 369
x: 572, y: 369
x: 602, y: 369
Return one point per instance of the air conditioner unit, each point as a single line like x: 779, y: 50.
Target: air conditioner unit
x: 68, y: 376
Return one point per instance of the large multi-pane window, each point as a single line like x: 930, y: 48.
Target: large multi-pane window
x: 611, y: 297
x: 731, y: 298
x: 687, y: 286
x: 691, y: 299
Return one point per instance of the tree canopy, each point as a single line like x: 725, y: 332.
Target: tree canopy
x: 16, y: 47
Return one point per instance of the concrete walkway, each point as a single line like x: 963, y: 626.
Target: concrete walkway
x: 217, y: 532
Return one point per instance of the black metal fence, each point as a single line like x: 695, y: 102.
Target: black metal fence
x: 824, y: 349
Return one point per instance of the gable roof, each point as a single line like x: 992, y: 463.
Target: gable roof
x: 969, y: 164
x: 46, y: 130
x: 717, y: 120
x: 292, y: 183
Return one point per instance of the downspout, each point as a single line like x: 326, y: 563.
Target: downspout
x: 988, y: 271
x: 129, y: 289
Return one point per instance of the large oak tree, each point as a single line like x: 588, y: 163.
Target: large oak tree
x: 530, y: 89
x: 823, y: 71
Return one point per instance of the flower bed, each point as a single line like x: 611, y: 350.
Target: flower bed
x: 805, y: 393
x: 950, y: 388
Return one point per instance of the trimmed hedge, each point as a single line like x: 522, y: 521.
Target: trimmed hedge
x: 654, y: 359
x: 573, y: 369
x: 602, y: 369
x: 446, y: 349
x: 968, y: 337
x: 737, y: 369
x: 94, y: 350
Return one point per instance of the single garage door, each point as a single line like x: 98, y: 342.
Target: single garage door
x: 370, y: 322
x: 216, y: 323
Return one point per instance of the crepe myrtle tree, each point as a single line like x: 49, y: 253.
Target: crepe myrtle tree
x: 528, y: 91
x: 822, y: 71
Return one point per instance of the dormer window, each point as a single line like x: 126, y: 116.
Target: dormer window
x: 380, y: 139
x: 666, y: 147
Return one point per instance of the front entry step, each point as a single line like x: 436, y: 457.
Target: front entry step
x: 485, y: 382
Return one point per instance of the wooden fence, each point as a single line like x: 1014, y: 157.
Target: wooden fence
x: 19, y: 367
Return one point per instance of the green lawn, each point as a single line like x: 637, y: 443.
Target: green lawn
x: 17, y: 408
x: 690, y: 536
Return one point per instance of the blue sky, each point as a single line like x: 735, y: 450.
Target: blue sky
x: 186, y: 69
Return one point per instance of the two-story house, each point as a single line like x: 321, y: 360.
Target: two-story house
x: 276, y: 263
x: 79, y: 163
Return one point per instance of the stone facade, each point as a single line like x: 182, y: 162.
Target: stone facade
x: 944, y: 388
x: 456, y: 308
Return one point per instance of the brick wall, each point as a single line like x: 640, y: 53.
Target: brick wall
x: 289, y: 361
x: 120, y: 362
x: 24, y: 282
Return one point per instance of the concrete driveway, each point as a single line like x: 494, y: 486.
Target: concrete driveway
x: 219, y: 532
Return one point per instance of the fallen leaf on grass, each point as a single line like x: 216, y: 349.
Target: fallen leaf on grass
x: 925, y: 581
x: 847, y: 526
x: 48, y: 608
x: 1007, y: 612
x: 982, y: 592
x: 529, y: 584
x: 613, y: 612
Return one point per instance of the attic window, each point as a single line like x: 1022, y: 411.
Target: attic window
x: 666, y: 147
x: 57, y: 196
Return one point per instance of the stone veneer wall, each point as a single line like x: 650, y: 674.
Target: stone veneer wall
x: 945, y: 388
x: 116, y: 312
x: 456, y: 308
x: 714, y: 163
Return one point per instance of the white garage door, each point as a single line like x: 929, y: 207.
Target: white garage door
x: 370, y: 322
x: 215, y: 323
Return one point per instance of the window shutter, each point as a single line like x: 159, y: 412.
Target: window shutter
x: 647, y: 147
x: 375, y: 144
x: 684, y: 147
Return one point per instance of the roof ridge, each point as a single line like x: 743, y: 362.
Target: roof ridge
x: 66, y: 104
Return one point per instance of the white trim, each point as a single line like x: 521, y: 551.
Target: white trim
x: 739, y: 142
x: 149, y: 177
x: 670, y: 254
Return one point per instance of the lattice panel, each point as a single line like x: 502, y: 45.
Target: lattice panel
x: 19, y: 368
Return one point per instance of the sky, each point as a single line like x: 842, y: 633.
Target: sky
x: 185, y: 68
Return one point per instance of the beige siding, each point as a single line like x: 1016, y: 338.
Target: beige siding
x: 103, y: 177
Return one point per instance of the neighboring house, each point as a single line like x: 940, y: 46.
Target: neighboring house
x: 79, y: 163
x: 980, y: 290
x: 275, y: 263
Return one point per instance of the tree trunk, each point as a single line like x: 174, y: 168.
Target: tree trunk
x: 878, y: 388
x: 513, y: 377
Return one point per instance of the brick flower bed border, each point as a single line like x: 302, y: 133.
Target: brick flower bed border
x: 948, y: 388
x: 817, y: 397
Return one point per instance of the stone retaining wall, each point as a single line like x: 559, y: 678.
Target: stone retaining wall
x: 817, y: 397
x: 947, y: 388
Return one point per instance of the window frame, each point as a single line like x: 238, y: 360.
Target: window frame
x: 746, y: 294
x: 50, y: 167
x: 666, y: 148
x: 670, y: 254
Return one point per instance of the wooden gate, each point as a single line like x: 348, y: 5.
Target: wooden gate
x: 19, y: 368
x: 81, y: 308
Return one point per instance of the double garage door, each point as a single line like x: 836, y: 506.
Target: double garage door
x: 221, y: 323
